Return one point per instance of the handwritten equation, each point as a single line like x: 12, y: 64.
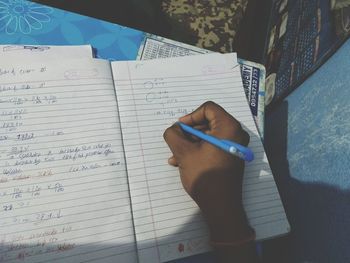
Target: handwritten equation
x: 62, y: 171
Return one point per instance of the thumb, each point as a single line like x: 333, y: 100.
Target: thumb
x: 179, y: 143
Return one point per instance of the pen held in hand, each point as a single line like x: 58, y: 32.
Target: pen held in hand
x: 228, y: 146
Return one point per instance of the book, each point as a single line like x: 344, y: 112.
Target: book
x: 112, y: 42
x: 253, y: 74
x: 84, y: 165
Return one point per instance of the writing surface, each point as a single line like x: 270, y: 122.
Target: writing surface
x: 152, y: 95
x: 63, y: 187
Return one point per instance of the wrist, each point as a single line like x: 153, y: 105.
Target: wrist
x: 226, y: 220
x: 231, y: 227
x: 220, y: 199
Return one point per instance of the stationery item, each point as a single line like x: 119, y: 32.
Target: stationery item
x: 151, y: 96
x: 79, y: 182
x: 253, y: 74
x: 64, y: 195
x: 39, y: 52
x: 228, y: 146
x: 253, y: 78
x: 52, y: 26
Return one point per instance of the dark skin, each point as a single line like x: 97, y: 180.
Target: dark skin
x: 213, y: 178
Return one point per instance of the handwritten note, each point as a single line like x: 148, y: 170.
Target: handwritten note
x: 63, y: 187
x: 151, y: 96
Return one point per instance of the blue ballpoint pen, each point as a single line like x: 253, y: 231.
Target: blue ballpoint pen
x: 228, y: 146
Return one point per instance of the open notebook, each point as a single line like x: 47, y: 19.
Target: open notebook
x: 84, y: 166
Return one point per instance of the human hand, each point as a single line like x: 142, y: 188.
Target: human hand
x: 212, y: 177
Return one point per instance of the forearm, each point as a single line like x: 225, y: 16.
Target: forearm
x: 231, y: 235
x: 233, y: 239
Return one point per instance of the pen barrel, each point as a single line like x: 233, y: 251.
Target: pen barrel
x: 225, y: 145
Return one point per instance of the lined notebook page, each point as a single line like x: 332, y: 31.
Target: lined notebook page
x: 151, y: 96
x: 63, y: 185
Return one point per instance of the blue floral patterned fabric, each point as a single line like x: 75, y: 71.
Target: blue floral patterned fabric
x: 25, y: 22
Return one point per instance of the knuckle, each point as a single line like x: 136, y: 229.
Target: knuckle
x: 245, y: 137
x: 240, y: 134
x: 236, y: 124
x: 233, y: 125
x: 210, y: 104
x: 167, y: 133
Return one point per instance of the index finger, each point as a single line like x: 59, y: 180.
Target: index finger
x: 209, y: 113
x: 217, y: 121
x: 178, y: 142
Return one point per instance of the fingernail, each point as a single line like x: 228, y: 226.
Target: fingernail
x: 172, y: 161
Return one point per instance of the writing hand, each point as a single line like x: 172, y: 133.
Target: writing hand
x: 212, y: 177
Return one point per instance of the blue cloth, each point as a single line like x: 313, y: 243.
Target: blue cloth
x: 307, y: 140
x: 25, y: 22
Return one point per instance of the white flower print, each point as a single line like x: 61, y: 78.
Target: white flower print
x: 22, y: 16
